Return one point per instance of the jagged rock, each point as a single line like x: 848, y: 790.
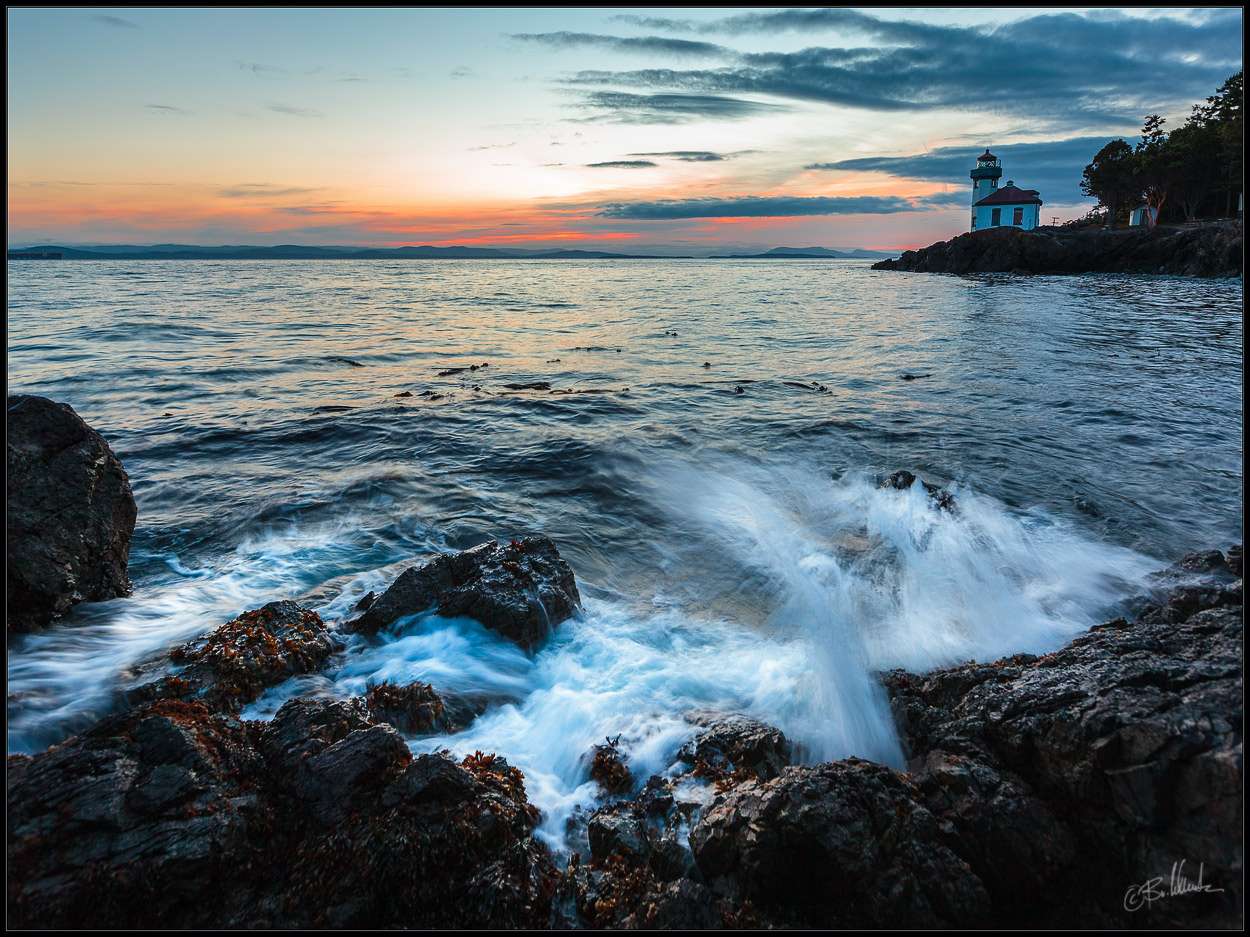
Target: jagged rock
x: 1208, y: 251
x: 304, y: 728
x: 656, y: 797
x: 608, y: 767
x: 1065, y: 779
x: 336, y: 780
x: 732, y: 744
x: 168, y: 816
x: 847, y: 844
x: 616, y: 830
x: 414, y: 709
x: 70, y: 515
x: 1195, y: 582
x: 521, y: 590
x: 903, y: 479
x: 232, y: 666
x: 132, y: 820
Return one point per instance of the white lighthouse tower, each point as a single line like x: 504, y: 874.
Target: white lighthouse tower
x: 984, y: 179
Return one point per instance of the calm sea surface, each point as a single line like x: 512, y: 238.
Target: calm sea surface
x: 732, y: 546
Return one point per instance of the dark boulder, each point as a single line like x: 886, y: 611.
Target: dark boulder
x: 169, y: 816
x: 734, y: 746
x: 521, y: 589
x: 618, y: 830
x: 847, y: 844
x: 413, y: 709
x: 233, y: 665
x: 70, y: 514
x: 133, y: 821
x: 609, y: 768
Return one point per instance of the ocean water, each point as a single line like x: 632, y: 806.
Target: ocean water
x: 707, y: 457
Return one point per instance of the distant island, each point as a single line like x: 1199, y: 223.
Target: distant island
x: 423, y: 252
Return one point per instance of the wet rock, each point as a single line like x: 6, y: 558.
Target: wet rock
x: 617, y: 830
x: 414, y: 709
x: 1233, y: 559
x: 132, y: 820
x: 730, y: 745
x: 171, y: 817
x: 1064, y: 779
x: 1195, y: 582
x: 304, y: 728
x: 903, y: 479
x: 609, y: 769
x: 837, y: 845
x: 365, y: 601
x: 532, y: 385
x: 433, y: 778
x: 656, y: 797
x: 230, y: 667
x: 521, y: 590
x: 70, y: 515
x: 338, y: 779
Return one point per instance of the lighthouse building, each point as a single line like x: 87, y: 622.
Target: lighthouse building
x: 994, y: 207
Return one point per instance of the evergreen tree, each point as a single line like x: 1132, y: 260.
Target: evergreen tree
x: 1222, y: 113
x: 1112, y: 179
x: 1156, y: 169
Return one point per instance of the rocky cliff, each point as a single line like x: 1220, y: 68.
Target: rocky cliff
x: 1209, y: 251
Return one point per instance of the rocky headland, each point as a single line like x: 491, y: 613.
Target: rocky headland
x: 1097, y: 786
x: 1208, y: 251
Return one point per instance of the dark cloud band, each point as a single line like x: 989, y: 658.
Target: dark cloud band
x: 752, y: 206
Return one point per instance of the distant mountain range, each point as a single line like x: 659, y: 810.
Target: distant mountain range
x: 298, y: 252
x: 858, y: 253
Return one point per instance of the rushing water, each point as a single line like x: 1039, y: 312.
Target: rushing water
x: 733, y: 549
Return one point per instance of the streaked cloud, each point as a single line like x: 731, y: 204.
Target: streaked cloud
x: 688, y: 156
x: 167, y: 109
x: 1060, y: 67
x: 262, y: 190
x: 624, y: 107
x: 115, y: 21
x: 623, y: 164
x: 753, y: 206
x: 648, y: 45
x: 293, y: 111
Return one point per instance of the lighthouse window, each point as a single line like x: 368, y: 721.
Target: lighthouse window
x: 1018, y: 217
x: 996, y: 217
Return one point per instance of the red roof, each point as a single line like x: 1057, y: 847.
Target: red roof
x: 1011, y: 195
x: 986, y: 155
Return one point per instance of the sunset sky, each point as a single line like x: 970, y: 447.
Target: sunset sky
x: 642, y: 131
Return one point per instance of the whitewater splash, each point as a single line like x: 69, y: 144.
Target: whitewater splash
x: 847, y: 580
x: 819, y: 584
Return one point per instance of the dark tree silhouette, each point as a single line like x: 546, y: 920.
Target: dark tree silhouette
x: 1112, y: 179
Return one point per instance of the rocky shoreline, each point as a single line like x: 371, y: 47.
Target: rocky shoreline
x: 1208, y: 251
x: 1039, y: 792
x: 1097, y: 786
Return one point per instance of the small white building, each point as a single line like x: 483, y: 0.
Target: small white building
x: 1141, y: 216
x: 1009, y: 206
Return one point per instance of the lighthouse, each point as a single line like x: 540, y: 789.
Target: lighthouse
x: 1009, y: 206
x: 984, y: 180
